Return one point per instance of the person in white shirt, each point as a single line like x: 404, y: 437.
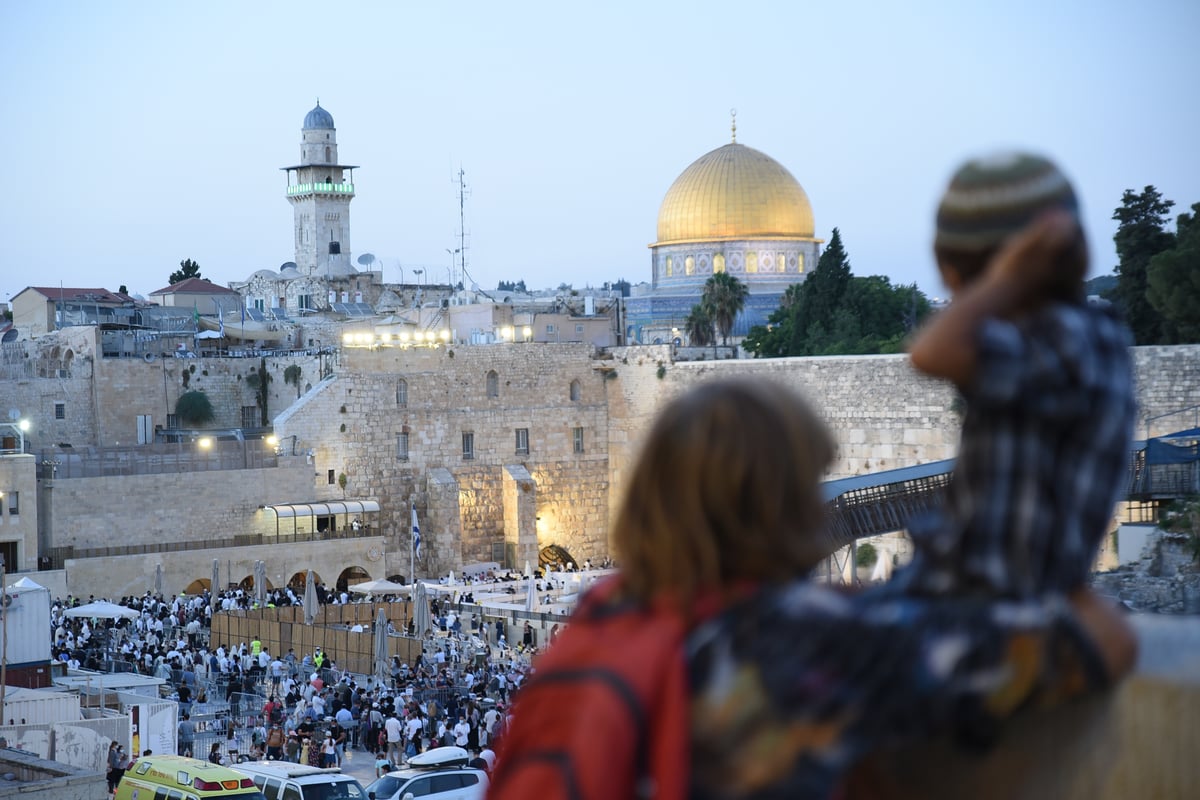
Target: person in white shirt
x: 461, y: 731
x: 395, y: 738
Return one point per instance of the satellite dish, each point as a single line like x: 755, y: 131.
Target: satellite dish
x: 366, y: 259
x: 286, y: 265
x: 10, y: 335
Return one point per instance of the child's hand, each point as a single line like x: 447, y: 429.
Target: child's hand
x: 1032, y: 261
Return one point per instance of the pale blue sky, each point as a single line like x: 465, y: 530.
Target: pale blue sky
x: 141, y: 133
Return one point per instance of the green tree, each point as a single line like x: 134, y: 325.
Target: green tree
x: 823, y: 290
x: 772, y: 340
x: 187, y: 269
x: 699, y: 327
x: 1140, y: 236
x: 1173, y: 280
x: 724, y: 297
x: 259, y: 381
x: 194, y: 409
x: 292, y: 375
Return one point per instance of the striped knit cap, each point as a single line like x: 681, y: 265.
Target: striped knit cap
x: 992, y: 197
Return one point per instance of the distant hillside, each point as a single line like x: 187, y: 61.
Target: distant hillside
x: 1100, y: 284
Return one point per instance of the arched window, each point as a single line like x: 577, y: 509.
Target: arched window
x: 493, y: 384
x: 669, y: 269
x: 718, y: 263
x: 800, y: 262
x: 402, y: 393
x: 689, y: 266
x: 751, y: 262
x: 326, y: 154
x: 575, y: 391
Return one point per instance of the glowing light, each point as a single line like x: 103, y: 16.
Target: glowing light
x: 430, y: 336
x: 404, y: 336
x: 445, y: 334
x: 205, y: 442
x: 272, y: 440
x: 347, y: 338
x: 527, y: 333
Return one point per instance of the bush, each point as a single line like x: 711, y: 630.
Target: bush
x: 867, y: 555
x: 194, y: 409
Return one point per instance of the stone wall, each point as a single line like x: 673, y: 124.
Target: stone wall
x: 138, y: 510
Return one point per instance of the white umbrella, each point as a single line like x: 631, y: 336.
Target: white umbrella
x: 421, y: 616
x: 158, y: 579
x: 883, y: 568
x: 102, y: 609
x: 450, y: 580
x: 381, y: 645
x: 528, y: 570
x: 216, y: 583
x: 531, y: 598
x: 310, y: 599
x: 260, y: 582
x: 379, y: 587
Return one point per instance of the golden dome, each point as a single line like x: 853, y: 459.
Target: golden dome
x: 734, y: 192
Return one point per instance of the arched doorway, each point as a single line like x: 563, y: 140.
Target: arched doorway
x: 397, y: 579
x: 552, y: 556
x: 351, y: 575
x: 198, y: 586
x: 297, y: 581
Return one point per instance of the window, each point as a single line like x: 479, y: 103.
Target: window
x: 549, y: 328
x: 800, y: 262
x: 402, y: 393
x: 689, y: 266
x: 172, y: 421
x: 718, y: 263
x: 419, y: 787
x: 249, y: 416
x: 577, y: 436
x: 575, y: 391
x: 60, y: 410
x: 522, y: 441
x: 145, y: 429
x: 579, y: 328
x: 402, y: 447
x: 14, y: 504
x: 751, y: 262
x: 493, y: 384
x: 330, y: 478
x: 669, y: 267
x: 468, y: 446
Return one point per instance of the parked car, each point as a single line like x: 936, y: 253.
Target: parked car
x: 438, y: 774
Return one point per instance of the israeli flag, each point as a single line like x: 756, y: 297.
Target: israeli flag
x: 416, y: 533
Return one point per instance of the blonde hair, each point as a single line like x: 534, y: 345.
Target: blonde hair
x: 726, y: 490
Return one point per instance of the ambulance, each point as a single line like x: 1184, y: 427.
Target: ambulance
x: 179, y: 778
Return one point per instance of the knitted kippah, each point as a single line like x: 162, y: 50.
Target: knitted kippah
x: 992, y: 197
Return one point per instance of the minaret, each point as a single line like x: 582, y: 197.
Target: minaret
x: 320, y: 190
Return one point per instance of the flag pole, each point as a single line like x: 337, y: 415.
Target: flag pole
x: 412, y: 544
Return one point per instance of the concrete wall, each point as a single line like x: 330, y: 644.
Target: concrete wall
x: 18, y: 488
x: 39, y: 779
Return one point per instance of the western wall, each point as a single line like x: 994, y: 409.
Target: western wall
x: 498, y: 502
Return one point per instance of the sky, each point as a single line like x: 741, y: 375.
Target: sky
x: 142, y: 133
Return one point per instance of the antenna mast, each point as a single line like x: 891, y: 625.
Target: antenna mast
x: 462, y: 224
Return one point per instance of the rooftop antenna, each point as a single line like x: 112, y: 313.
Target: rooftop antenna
x: 462, y: 225
x: 733, y: 123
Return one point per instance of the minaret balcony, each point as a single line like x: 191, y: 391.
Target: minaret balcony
x: 320, y: 188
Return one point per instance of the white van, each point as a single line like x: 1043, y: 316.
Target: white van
x: 283, y: 780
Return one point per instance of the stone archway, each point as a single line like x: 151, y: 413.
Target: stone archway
x: 398, y: 579
x: 351, y: 575
x: 298, y: 579
x: 198, y: 586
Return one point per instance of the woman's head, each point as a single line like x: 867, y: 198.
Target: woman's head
x: 726, y: 489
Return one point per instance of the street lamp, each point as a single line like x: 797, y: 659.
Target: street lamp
x: 418, y: 273
x: 452, y: 253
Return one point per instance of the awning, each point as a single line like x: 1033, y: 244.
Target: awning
x: 323, y: 509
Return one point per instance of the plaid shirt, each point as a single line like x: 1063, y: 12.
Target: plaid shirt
x: 1045, y: 447
x: 791, y: 688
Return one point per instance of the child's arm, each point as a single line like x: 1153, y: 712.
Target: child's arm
x: 1018, y: 276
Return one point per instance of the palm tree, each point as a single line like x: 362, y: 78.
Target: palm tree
x: 724, y: 296
x: 699, y: 327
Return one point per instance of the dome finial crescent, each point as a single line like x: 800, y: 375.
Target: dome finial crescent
x: 733, y: 123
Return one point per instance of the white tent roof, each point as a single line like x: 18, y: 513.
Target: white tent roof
x: 325, y: 509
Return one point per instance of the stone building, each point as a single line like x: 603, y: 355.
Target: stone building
x: 733, y: 210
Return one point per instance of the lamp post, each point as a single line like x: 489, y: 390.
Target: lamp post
x: 450, y: 274
x: 418, y: 273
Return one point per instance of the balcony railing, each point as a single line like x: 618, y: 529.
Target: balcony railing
x: 320, y: 188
